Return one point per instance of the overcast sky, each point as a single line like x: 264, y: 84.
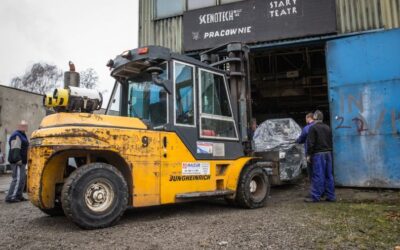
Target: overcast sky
x: 87, y: 32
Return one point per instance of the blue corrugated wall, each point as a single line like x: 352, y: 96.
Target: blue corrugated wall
x: 364, y: 96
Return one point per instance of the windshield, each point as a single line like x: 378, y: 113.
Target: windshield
x: 148, y: 101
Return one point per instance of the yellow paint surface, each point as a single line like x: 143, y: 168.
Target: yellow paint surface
x: 155, y: 169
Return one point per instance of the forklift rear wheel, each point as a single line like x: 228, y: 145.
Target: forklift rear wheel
x: 95, y: 196
x: 253, y: 187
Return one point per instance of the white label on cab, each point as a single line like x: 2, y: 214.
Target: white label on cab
x: 219, y: 149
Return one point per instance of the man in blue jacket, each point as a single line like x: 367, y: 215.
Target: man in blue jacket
x: 303, y: 140
x: 18, y: 157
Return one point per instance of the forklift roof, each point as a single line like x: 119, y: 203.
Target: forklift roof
x: 133, y: 62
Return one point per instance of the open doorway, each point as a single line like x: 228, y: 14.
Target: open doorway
x: 289, y: 82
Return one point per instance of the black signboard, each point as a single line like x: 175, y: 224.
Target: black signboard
x: 255, y: 21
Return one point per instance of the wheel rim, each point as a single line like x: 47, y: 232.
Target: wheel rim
x: 99, y: 195
x: 258, y: 188
x: 253, y: 186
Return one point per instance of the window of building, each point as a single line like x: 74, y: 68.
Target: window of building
x: 196, y: 4
x: 184, y: 94
x: 169, y: 8
x: 216, y: 114
x: 229, y: 1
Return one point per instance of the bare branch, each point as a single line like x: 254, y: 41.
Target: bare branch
x: 40, y: 78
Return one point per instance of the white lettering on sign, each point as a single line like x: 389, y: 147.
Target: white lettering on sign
x: 195, y: 168
x: 219, y: 17
x: 282, y: 8
x: 227, y: 32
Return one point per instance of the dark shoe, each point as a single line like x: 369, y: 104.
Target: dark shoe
x: 330, y: 200
x: 12, y: 200
x: 309, y: 200
x: 22, y: 199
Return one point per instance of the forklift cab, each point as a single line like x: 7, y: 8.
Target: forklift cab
x: 172, y: 92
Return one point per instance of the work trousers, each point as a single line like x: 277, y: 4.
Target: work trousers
x: 18, y: 182
x: 322, y: 178
x: 309, y: 171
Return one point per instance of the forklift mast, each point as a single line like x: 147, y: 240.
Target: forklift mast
x: 233, y: 58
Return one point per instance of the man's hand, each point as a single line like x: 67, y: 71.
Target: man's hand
x: 308, y: 159
x: 19, y: 162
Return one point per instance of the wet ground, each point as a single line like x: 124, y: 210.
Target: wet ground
x: 361, y: 219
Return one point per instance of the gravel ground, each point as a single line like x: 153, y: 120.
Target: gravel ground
x: 286, y: 223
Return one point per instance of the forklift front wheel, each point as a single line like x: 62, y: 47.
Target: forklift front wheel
x: 95, y: 196
x: 253, y: 187
x: 55, y: 211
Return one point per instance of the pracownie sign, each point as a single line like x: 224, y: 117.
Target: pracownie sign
x: 255, y: 21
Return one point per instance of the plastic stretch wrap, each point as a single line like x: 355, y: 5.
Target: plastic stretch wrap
x: 276, y: 134
x: 279, y: 135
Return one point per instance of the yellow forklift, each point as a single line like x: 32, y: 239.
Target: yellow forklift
x: 175, y: 130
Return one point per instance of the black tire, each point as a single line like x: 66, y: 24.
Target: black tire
x: 55, y: 211
x: 230, y: 202
x: 244, y: 196
x: 95, y: 196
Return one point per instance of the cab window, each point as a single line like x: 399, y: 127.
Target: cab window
x: 147, y: 100
x: 115, y: 101
x: 184, y: 94
x: 216, y: 119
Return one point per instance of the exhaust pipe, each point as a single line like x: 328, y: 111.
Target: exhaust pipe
x: 71, y: 77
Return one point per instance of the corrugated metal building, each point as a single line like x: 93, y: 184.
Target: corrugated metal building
x: 352, y: 16
x: 289, y: 68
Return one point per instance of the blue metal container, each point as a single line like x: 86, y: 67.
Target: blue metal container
x: 364, y: 96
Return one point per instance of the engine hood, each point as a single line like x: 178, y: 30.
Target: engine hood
x: 91, y: 120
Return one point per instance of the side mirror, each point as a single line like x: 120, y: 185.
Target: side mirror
x: 155, y: 73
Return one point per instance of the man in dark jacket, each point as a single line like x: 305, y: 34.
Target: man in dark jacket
x: 18, y: 157
x: 319, y: 149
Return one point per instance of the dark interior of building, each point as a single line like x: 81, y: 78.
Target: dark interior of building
x: 289, y: 82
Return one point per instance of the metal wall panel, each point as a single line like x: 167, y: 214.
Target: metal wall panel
x: 359, y: 15
x: 391, y: 13
x: 364, y: 89
x: 164, y: 32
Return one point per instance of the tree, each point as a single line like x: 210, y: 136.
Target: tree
x: 40, y: 78
x: 88, y: 78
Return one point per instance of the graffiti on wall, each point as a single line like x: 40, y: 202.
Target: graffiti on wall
x: 365, y: 123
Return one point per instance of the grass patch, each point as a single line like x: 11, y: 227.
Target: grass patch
x: 357, y: 225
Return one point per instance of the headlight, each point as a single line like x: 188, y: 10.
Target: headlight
x: 36, y: 142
